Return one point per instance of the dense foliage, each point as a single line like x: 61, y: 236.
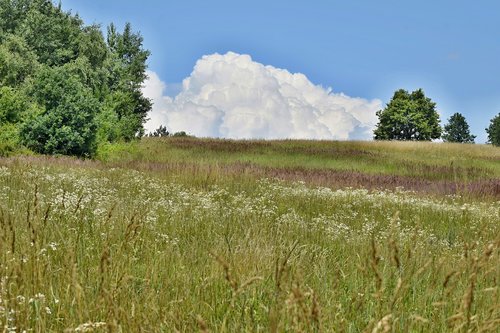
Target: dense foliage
x: 457, y: 130
x: 408, y: 117
x: 64, y: 87
x: 494, y: 131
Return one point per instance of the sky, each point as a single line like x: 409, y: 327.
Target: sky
x: 234, y: 65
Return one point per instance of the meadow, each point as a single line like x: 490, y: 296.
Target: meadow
x: 441, y: 169
x: 199, y: 235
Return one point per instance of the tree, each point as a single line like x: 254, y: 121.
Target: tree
x: 12, y: 105
x: 53, y: 34
x: 160, y: 132
x: 180, y: 134
x: 11, y: 14
x: 457, y: 130
x: 408, y: 117
x: 494, y: 131
x: 67, y: 125
x: 128, y: 72
x: 14, y: 108
x: 17, y: 62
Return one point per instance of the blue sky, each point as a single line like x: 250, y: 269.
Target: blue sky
x: 363, y: 48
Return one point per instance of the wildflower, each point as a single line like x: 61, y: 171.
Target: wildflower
x: 89, y: 327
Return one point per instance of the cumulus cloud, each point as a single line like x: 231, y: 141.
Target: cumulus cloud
x: 232, y: 96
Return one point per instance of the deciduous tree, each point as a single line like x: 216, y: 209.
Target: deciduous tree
x: 99, y: 92
x: 67, y: 123
x: 408, y: 117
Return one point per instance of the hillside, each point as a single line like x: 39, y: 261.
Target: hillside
x: 184, y: 234
x: 439, y: 168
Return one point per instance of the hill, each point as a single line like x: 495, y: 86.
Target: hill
x: 202, y: 235
x: 439, y: 168
x: 182, y: 234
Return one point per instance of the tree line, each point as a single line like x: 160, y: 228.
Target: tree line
x: 413, y: 117
x: 64, y: 86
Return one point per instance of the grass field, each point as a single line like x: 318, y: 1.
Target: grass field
x: 430, y: 168
x: 193, y: 235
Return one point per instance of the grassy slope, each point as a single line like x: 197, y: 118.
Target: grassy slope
x: 425, y: 167
x: 396, y: 158
x: 183, y: 247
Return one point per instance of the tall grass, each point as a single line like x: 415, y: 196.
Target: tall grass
x: 85, y: 246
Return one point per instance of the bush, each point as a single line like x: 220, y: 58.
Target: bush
x: 180, y: 134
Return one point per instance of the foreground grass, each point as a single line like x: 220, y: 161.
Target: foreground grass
x: 86, y: 247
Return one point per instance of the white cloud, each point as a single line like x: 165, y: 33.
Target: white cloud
x: 231, y: 96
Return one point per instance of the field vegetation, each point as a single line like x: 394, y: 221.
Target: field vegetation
x: 471, y: 170
x: 186, y: 235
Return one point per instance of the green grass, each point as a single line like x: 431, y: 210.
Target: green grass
x: 394, y: 158
x: 430, y: 168
x: 166, y: 236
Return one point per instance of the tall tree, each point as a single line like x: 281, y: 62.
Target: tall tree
x: 457, y: 130
x: 408, y: 117
x: 127, y: 76
x: 12, y: 105
x: 12, y: 13
x: 52, y: 33
x: 494, y: 131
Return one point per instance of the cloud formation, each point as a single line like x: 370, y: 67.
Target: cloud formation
x: 232, y: 96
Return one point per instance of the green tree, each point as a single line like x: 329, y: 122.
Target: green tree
x: 127, y: 74
x: 408, y: 117
x: 12, y: 105
x: 53, y: 34
x: 457, y: 130
x: 11, y: 108
x: 67, y: 124
x: 128, y: 49
x: 160, y: 132
x: 93, y: 46
x: 494, y: 131
x: 14, y: 108
x: 12, y: 13
x: 38, y: 40
x: 17, y: 62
